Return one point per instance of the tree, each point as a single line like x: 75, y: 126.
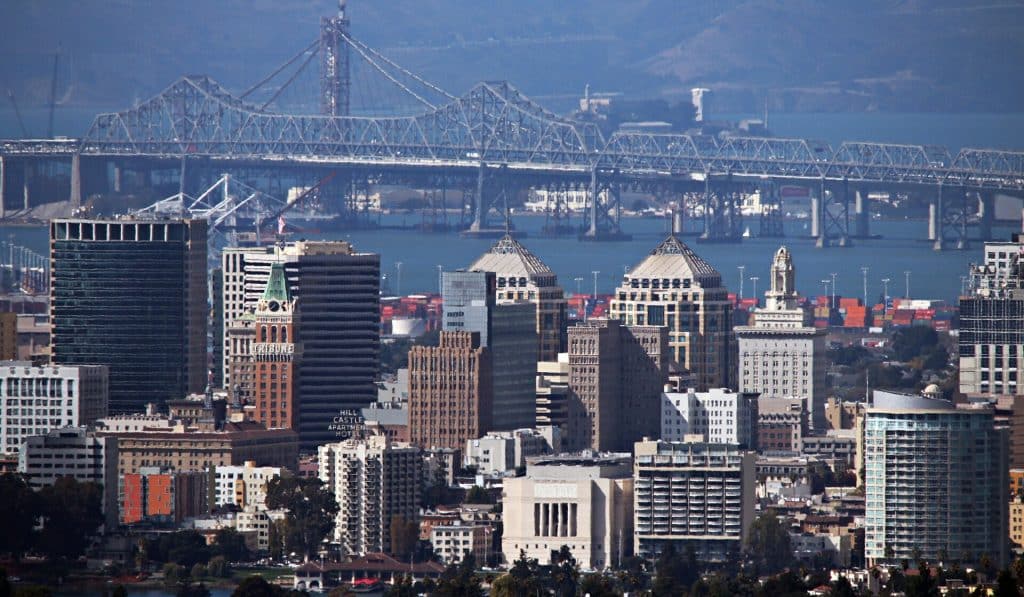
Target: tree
x: 18, y: 515
x: 275, y: 539
x: 460, y: 580
x: 674, y: 573
x: 198, y: 572
x: 564, y: 572
x: 229, y: 543
x: 768, y: 543
x: 522, y: 579
x: 172, y: 574
x: 405, y: 535
x: 311, y: 511
x: 1006, y: 586
x: 256, y: 586
x: 186, y: 548
x: 72, y: 513
x: 478, y: 495
x: 218, y: 567
x: 913, y: 341
x: 597, y: 585
x: 842, y: 588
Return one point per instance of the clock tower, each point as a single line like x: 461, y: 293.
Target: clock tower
x: 276, y: 353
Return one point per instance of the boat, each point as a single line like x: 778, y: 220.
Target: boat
x: 746, y: 233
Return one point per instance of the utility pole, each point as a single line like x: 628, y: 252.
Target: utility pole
x: 595, y: 272
x: 906, y: 277
x: 885, y: 294
x: 741, y: 268
x: 864, y: 270
x: 832, y: 303
x: 757, y: 299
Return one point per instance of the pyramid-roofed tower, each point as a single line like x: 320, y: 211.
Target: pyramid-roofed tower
x: 522, y: 276
x: 675, y: 288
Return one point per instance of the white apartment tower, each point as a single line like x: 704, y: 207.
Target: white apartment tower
x: 782, y: 355
x: 374, y: 481
x: 719, y: 416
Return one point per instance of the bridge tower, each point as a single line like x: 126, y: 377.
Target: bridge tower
x: 335, y: 69
x: 770, y: 222
x: 948, y: 215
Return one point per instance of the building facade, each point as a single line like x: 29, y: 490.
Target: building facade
x: 159, y: 495
x: 337, y: 291
x: 781, y: 424
x: 453, y: 542
x: 585, y: 503
x: 35, y: 400
x: 522, y: 276
x: 73, y: 452
x: 508, y: 330
x: 675, y: 289
x: 991, y: 338
x: 936, y: 480
x: 719, y: 416
x: 692, y: 495
x: 504, y: 451
x: 616, y: 376
x: 450, y: 391
x: 782, y: 355
x: 374, y: 482
x: 131, y: 295
x: 243, y: 486
x: 276, y: 354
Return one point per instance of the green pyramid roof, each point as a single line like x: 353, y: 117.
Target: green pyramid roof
x: 277, y: 285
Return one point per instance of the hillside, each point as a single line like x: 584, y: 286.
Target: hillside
x: 803, y: 55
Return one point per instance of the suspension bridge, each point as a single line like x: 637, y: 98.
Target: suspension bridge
x: 488, y: 144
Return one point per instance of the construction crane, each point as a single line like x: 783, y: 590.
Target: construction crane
x: 53, y: 92
x: 17, y: 114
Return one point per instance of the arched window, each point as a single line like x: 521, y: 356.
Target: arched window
x: 284, y: 334
x: 273, y: 333
x: 263, y: 333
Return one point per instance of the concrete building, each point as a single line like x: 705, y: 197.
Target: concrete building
x: 174, y: 446
x: 782, y: 355
x: 453, y: 542
x: 695, y: 495
x: 842, y: 415
x: 616, y: 375
x: 583, y: 502
x: 521, y: 276
x: 936, y: 481
x: 781, y: 424
x: 373, y: 482
x: 504, y: 451
x: 991, y: 334
x: 73, y: 452
x: 508, y: 330
x: 244, y: 485
x: 131, y: 295
x: 276, y: 354
x: 1017, y: 521
x: 160, y: 495
x: 675, y: 289
x: 450, y: 391
x: 337, y: 292
x: 719, y: 416
x: 35, y: 400
x: 8, y: 336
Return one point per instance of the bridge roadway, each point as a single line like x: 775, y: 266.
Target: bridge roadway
x: 497, y: 135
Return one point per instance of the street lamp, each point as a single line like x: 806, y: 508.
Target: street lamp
x: 741, y: 268
x: 398, y: 278
x: 832, y: 303
x: 885, y: 294
x: 906, y: 277
x: 595, y: 272
x: 757, y: 299
x: 864, y: 270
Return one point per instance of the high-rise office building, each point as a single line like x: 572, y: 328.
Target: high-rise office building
x: 276, y: 353
x: 522, y: 276
x: 337, y: 291
x: 450, y: 391
x: 131, y: 295
x: 782, y: 355
x: 508, y: 330
x: 991, y: 336
x: 374, y: 482
x: 692, y: 495
x: 616, y: 376
x: 675, y: 289
x: 936, y: 481
x: 35, y: 400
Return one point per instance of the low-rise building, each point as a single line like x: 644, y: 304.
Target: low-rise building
x: 781, y: 424
x: 37, y: 399
x: 73, y: 452
x: 503, y: 451
x: 1017, y: 521
x: 838, y: 449
x: 719, y: 415
x: 245, y: 485
x: 583, y: 502
x: 453, y: 542
x: 697, y: 495
x: 162, y: 495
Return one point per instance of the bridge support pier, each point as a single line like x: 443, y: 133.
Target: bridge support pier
x: 986, y: 212
x: 862, y: 214
x: 770, y: 222
x: 117, y: 178
x: 816, y: 220
x: 722, y: 221
x: 606, y: 216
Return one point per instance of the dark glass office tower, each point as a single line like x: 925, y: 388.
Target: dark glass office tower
x: 131, y: 295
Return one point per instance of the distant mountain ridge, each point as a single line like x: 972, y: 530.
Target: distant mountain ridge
x: 799, y: 55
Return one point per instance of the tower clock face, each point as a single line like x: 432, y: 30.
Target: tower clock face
x: 274, y: 306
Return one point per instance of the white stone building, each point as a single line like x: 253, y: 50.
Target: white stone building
x: 374, y: 481
x: 35, y: 400
x: 782, y: 355
x: 452, y: 542
x: 503, y: 451
x: 719, y: 416
x: 583, y: 502
x: 244, y: 485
